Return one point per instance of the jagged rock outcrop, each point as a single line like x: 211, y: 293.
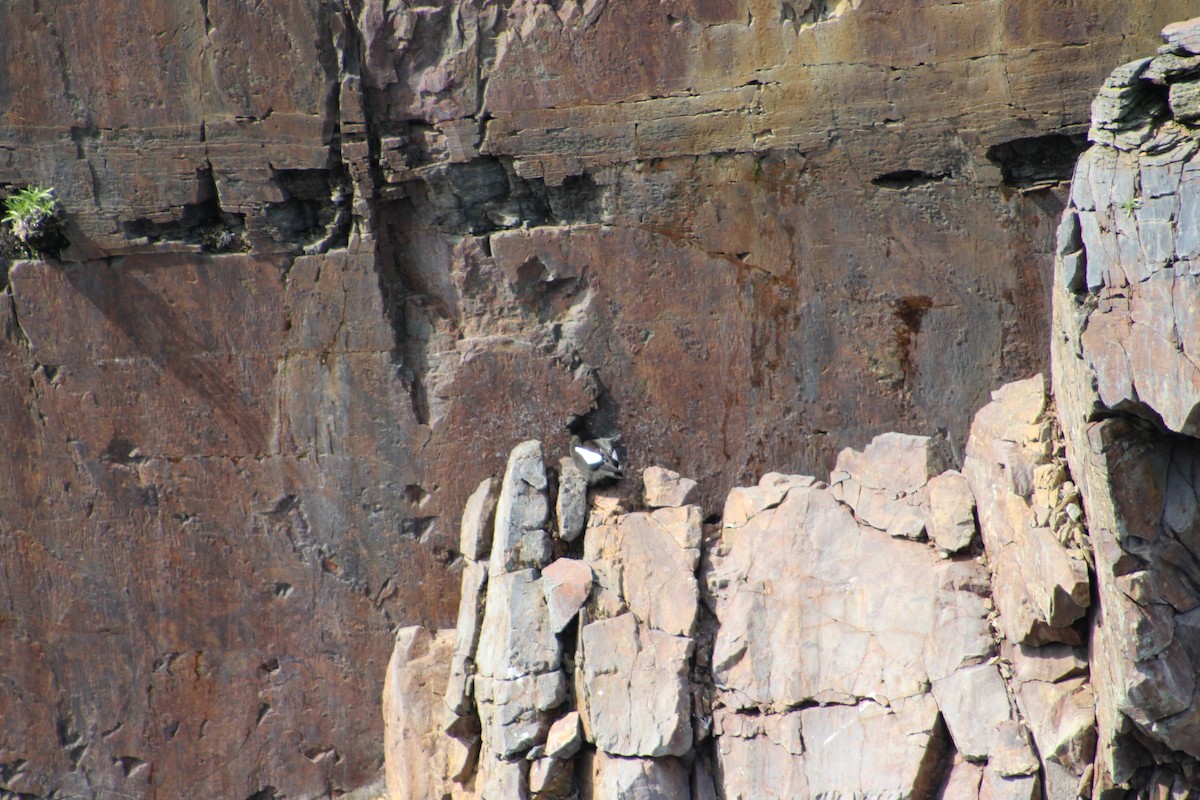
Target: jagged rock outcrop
x: 1125, y: 383
x: 814, y: 644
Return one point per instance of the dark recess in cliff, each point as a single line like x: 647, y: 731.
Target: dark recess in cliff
x: 1036, y: 160
x: 909, y: 178
x: 310, y: 205
x: 203, y: 222
x: 486, y: 195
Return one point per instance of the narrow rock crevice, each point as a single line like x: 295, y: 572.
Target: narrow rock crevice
x: 904, y: 179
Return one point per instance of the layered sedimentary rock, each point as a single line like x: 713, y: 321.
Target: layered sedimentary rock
x: 325, y: 255
x: 1125, y: 383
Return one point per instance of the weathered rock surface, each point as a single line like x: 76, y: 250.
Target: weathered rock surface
x: 565, y: 737
x: 951, y: 521
x: 885, y: 484
x: 648, y: 562
x: 889, y: 638
x: 421, y: 763
x: 608, y: 777
x: 521, y: 540
x: 1124, y: 383
x: 216, y: 501
x: 1040, y: 582
x: 636, y: 696
x: 567, y: 583
x: 571, y: 506
x: 1041, y: 587
x: 664, y: 488
x: 239, y: 461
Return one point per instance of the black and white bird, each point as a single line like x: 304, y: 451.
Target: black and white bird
x: 597, y: 457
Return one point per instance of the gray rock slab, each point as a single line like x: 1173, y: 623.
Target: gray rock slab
x: 744, y: 502
x: 567, y: 582
x: 608, y: 777
x: 814, y: 607
x: 516, y: 637
x: 478, y: 522
x: 565, y: 736
x: 1183, y: 35
x: 891, y: 744
x: 520, y: 540
x: 571, y: 503
x: 951, y: 512
x: 635, y: 685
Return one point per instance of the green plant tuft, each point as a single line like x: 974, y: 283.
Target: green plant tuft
x: 1131, y: 205
x: 32, y: 217
x: 29, y: 210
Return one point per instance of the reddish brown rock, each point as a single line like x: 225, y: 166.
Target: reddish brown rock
x: 208, y: 489
x: 784, y: 235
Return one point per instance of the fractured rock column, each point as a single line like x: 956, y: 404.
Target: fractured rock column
x: 420, y: 763
x: 475, y: 544
x: 1125, y: 347
x: 636, y: 648
x: 860, y: 644
x: 1029, y: 523
x: 519, y: 679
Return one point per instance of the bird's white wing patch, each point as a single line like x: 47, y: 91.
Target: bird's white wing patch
x: 590, y: 458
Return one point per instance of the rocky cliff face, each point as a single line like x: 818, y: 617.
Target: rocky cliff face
x: 897, y: 631
x: 329, y: 262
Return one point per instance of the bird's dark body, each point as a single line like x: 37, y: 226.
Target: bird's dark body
x: 598, y: 460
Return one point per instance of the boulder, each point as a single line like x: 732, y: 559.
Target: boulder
x: 663, y: 488
x: 951, y: 512
x: 565, y: 738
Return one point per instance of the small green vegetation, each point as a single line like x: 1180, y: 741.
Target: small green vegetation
x: 1131, y: 205
x: 32, y: 221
